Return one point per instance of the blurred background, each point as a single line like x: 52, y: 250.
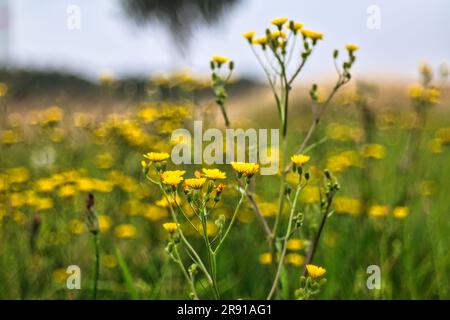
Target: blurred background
x: 87, y: 87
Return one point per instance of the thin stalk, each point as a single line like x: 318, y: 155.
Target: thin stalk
x: 96, y: 264
x: 189, y: 279
x: 286, y: 238
x: 236, y: 210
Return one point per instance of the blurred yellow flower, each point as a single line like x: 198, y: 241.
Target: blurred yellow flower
x: 104, y: 223
x: 3, y: 89
x: 214, y: 174
x: 310, y: 194
x: 347, y: 205
x: 249, y: 35
x: 170, y: 227
x: 60, y: 275
x: 295, y: 244
x: 67, y: 191
x: 294, y: 259
x: 261, y: 41
x: 219, y: 60
x: 315, y: 271
x: 378, y: 211
x: 125, y: 231
x: 375, y: 151
x: 265, y: 258
x: 104, y: 160
x: 351, y: 47
x: 400, y: 212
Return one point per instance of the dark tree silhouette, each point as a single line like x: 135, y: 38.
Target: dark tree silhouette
x: 180, y: 16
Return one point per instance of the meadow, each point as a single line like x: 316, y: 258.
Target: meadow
x: 73, y: 189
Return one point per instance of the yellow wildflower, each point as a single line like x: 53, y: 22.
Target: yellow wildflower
x: 104, y: 223
x: 279, y: 22
x: 313, y: 35
x: 300, y: 159
x: 261, y: 41
x: 125, y: 231
x: 76, y: 226
x: 265, y: 258
x: 351, y: 47
x: 378, y: 211
x: 296, y: 26
x: 294, y: 259
x: 195, y: 183
x: 172, y: 178
x: 400, y: 212
x: 245, y: 169
x: 315, y: 271
x: 67, y: 191
x: 375, y: 151
x: 295, y: 244
x: 249, y: 35
x: 214, y: 174
x: 170, y: 227
x: 219, y: 60
x: 157, y: 156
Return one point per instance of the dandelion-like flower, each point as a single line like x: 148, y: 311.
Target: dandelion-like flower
x: 260, y: 41
x: 279, y: 22
x: 249, y: 35
x: 245, y: 169
x: 156, y: 156
x: 315, y: 271
x: 400, y: 212
x: 300, y: 159
x: 351, y: 47
x: 219, y: 60
x: 195, y: 183
x: 214, y: 174
x: 313, y: 35
x: 172, y: 178
x: 170, y: 227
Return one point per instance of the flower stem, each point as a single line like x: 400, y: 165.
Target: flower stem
x: 97, y: 264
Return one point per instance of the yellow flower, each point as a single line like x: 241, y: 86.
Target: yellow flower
x: 375, y: 151
x: 277, y: 34
x: 219, y: 60
x: 265, y: 258
x: 313, y: 35
x: 249, y: 35
x: 67, y: 191
x: 295, y: 244
x: 245, y: 169
x: 104, y: 160
x: 279, y: 22
x: 125, y: 231
x: 170, y: 227
x: 3, y: 89
x: 378, y: 211
x: 296, y: 26
x: 315, y: 271
x: 195, y: 183
x: 351, y: 47
x: 172, y: 178
x: 400, y: 212
x: 295, y: 259
x: 261, y: 41
x: 214, y: 174
x: 104, y: 223
x: 157, y: 156
x: 300, y: 159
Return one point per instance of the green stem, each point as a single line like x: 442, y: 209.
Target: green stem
x: 189, y: 279
x: 97, y: 264
x: 236, y: 210
x: 286, y: 238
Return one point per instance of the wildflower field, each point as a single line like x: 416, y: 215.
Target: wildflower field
x: 357, y: 209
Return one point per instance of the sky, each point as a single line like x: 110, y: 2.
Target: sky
x: 409, y: 31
